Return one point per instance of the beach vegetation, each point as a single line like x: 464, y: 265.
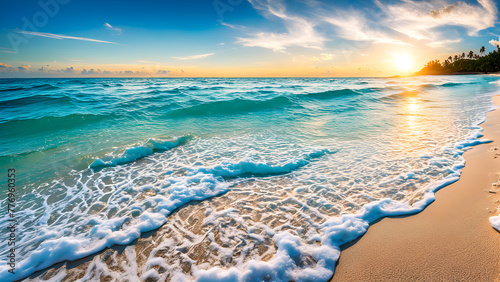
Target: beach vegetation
x: 459, y: 64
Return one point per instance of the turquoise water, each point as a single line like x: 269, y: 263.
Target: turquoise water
x: 99, y: 161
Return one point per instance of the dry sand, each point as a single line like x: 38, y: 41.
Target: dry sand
x: 451, y: 239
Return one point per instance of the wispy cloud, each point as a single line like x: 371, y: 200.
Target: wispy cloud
x: 115, y: 29
x: 441, y: 43
x: 234, y: 26
x: 61, y: 36
x: 357, y: 28
x: 5, y: 50
x: 300, y: 32
x: 194, y: 57
x: 418, y: 19
x: 4, y: 65
x: 397, y: 22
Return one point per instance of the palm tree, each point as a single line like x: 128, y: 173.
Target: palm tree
x: 450, y: 58
x: 482, y: 50
x: 463, y: 55
x: 471, y: 55
x: 456, y: 58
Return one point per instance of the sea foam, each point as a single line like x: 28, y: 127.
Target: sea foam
x: 495, y: 222
x: 134, y: 153
x: 284, y: 171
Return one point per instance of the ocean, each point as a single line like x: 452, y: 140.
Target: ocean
x: 260, y: 178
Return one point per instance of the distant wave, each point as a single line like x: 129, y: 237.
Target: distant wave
x: 27, y: 153
x: 447, y: 84
x: 235, y: 106
x: 13, y: 89
x: 51, y: 123
x: 45, y: 87
x: 24, y: 101
x: 331, y: 94
x: 401, y: 95
x: 134, y: 153
x: 36, y: 87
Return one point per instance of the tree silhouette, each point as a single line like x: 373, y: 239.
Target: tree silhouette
x: 457, y: 65
x: 482, y: 50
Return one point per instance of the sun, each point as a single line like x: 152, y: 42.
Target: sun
x: 403, y: 62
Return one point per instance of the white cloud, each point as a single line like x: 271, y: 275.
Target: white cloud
x: 355, y: 27
x: 115, y: 29
x: 233, y: 26
x: 61, y: 36
x: 320, y: 57
x: 194, y: 57
x: 495, y: 42
x: 441, y: 43
x: 418, y: 19
x: 4, y: 66
x: 300, y: 32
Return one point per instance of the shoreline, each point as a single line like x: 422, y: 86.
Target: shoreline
x: 139, y: 245
x: 451, y: 239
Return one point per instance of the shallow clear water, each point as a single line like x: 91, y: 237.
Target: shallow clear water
x: 307, y: 162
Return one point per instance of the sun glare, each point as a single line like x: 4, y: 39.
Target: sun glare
x: 403, y: 62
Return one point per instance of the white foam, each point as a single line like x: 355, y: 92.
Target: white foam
x: 134, y: 153
x: 495, y: 222
x: 175, y: 191
x: 303, y: 217
x: 248, y: 166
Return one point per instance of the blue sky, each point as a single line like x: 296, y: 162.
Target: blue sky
x: 237, y: 37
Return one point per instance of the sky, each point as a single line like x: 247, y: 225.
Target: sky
x: 238, y: 38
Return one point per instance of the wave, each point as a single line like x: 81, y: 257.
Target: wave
x: 252, y: 168
x: 401, y: 95
x: 450, y: 84
x: 334, y: 233
x: 236, y: 106
x: 13, y: 89
x: 330, y: 94
x: 24, y: 101
x: 134, y: 153
x: 29, y: 152
x: 50, y: 123
x: 446, y: 84
x: 122, y: 230
x: 45, y: 86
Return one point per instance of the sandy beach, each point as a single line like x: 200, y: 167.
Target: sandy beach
x: 451, y: 239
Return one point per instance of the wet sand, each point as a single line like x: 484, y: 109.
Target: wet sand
x: 451, y: 239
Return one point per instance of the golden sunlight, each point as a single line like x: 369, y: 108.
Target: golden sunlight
x: 403, y: 62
